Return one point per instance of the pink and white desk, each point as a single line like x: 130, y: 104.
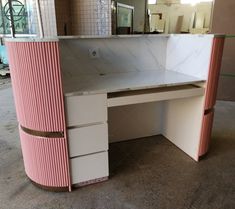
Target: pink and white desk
x: 75, y: 95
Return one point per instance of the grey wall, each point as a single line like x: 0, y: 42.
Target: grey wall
x: 223, y: 22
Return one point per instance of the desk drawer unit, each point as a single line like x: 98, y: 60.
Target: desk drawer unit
x: 89, y: 169
x: 87, y: 140
x: 86, y: 109
x: 87, y: 131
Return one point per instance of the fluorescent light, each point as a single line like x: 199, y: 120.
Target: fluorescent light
x: 152, y: 1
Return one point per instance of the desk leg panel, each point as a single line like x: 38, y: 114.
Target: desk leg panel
x: 182, y: 123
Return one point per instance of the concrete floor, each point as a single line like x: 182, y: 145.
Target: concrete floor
x: 149, y: 173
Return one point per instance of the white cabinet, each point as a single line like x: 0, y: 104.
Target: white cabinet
x: 89, y: 167
x: 87, y: 130
x: 86, y: 140
x: 86, y: 109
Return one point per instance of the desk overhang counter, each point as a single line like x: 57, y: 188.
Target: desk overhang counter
x: 140, y: 87
x: 75, y: 95
x: 130, y: 81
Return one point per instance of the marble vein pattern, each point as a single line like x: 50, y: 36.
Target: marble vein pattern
x: 117, y: 82
x: 122, y: 63
x: 116, y: 55
x: 189, y: 54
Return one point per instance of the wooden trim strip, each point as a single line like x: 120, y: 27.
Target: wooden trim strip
x: 43, y: 134
x: 49, y: 188
x: 93, y: 181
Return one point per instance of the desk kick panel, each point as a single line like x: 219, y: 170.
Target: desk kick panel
x: 87, y: 130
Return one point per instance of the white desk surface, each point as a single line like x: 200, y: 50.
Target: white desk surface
x: 117, y: 82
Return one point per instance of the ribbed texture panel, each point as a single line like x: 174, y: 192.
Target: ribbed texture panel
x: 211, y: 93
x: 37, y: 88
x: 36, y: 81
x: 206, y: 133
x: 45, y: 160
x: 214, y: 72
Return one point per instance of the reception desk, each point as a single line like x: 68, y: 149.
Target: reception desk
x: 75, y: 95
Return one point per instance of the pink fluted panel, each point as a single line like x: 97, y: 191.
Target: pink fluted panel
x: 211, y: 92
x: 45, y: 160
x: 37, y: 87
x: 206, y: 133
x: 214, y: 72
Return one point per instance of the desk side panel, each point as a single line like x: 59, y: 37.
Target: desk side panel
x: 211, y: 93
x: 214, y: 72
x: 182, y: 122
x: 206, y: 132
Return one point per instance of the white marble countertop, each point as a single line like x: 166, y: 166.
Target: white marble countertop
x: 35, y: 38
x: 117, y: 82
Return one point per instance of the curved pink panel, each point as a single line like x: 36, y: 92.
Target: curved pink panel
x: 214, y: 72
x: 37, y: 87
x: 45, y: 160
x: 211, y: 92
x: 206, y: 132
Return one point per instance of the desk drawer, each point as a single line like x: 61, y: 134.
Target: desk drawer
x: 89, y: 167
x: 86, y: 140
x: 85, y: 109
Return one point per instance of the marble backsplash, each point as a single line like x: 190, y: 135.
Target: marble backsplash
x: 113, y: 55
x: 187, y: 54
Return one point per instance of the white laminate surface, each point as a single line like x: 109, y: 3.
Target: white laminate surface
x: 117, y: 82
x: 87, y: 109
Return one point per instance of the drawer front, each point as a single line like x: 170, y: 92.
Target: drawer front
x: 89, y: 167
x: 87, y: 140
x: 85, y: 109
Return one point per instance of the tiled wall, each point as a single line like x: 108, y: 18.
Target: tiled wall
x: 32, y: 17
x: 91, y: 17
x: 48, y: 17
